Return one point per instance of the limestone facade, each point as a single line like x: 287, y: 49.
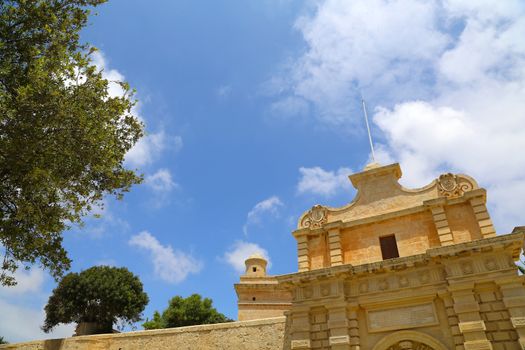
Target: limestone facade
x: 406, y: 269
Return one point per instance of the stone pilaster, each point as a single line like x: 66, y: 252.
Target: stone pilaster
x: 338, y: 327
x: 442, y: 227
x: 470, y: 325
x: 453, y: 321
x: 302, y: 253
x: 483, y: 217
x: 514, y: 299
x: 300, y: 328
x: 334, y: 244
x: 353, y: 325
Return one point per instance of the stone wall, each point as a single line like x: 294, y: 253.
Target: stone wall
x: 257, y: 334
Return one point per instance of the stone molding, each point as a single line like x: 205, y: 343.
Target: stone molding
x: 478, y: 345
x: 419, y: 208
x: 512, y: 242
x: 419, y: 337
x: 472, y: 326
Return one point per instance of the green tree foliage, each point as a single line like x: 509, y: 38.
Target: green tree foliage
x: 62, y: 136
x: 189, y: 311
x: 101, y: 294
x: 3, y: 341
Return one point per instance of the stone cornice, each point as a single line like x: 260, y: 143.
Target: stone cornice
x: 258, y: 286
x: 265, y: 303
x: 441, y: 201
x: 513, y: 241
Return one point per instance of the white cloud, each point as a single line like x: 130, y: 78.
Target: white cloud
x: 361, y: 44
x: 112, y: 75
x: 21, y: 323
x: 268, y: 206
x: 448, y: 77
x: 150, y: 147
x: 28, y: 281
x: 161, y: 181
x: 318, y: 181
x: 106, y: 262
x: 223, y: 91
x: 291, y: 106
x: 103, y: 221
x: 22, y: 309
x: 240, y: 251
x: 170, y: 265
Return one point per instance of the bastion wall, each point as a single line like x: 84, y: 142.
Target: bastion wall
x: 263, y: 334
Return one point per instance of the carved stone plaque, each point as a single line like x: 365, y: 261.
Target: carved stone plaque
x: 301, y: 344
x: 402, y: 317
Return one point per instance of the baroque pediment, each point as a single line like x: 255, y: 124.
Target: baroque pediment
x: 379, y: 193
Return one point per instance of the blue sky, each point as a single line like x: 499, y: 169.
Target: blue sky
x: 252, y: 111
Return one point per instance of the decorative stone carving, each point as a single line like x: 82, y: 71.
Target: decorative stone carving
x: 325, y: 289
x: 363, y: 287
x: 301, y: 344
x: 466, y: 268
x: 518, y: 322
x: 424, y: 277
x: 315, y: 217
x: 490, y: 264
x: 383, y: 284
x: 449, y: 185
x: 296, y: 294
x: 403, y: 281
x: 410, y: 345
x: 308, y: 292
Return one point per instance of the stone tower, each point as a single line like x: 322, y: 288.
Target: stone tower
x: 260, y: 295
x: 255, y: 266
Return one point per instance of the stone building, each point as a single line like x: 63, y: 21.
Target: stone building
x: 402, y: 268
x: 259, y: 295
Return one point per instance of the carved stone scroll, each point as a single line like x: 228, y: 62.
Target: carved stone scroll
x: 315, y: 217
x: 450, y: 185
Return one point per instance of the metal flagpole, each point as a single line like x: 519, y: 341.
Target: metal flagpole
x: 368, y: 129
